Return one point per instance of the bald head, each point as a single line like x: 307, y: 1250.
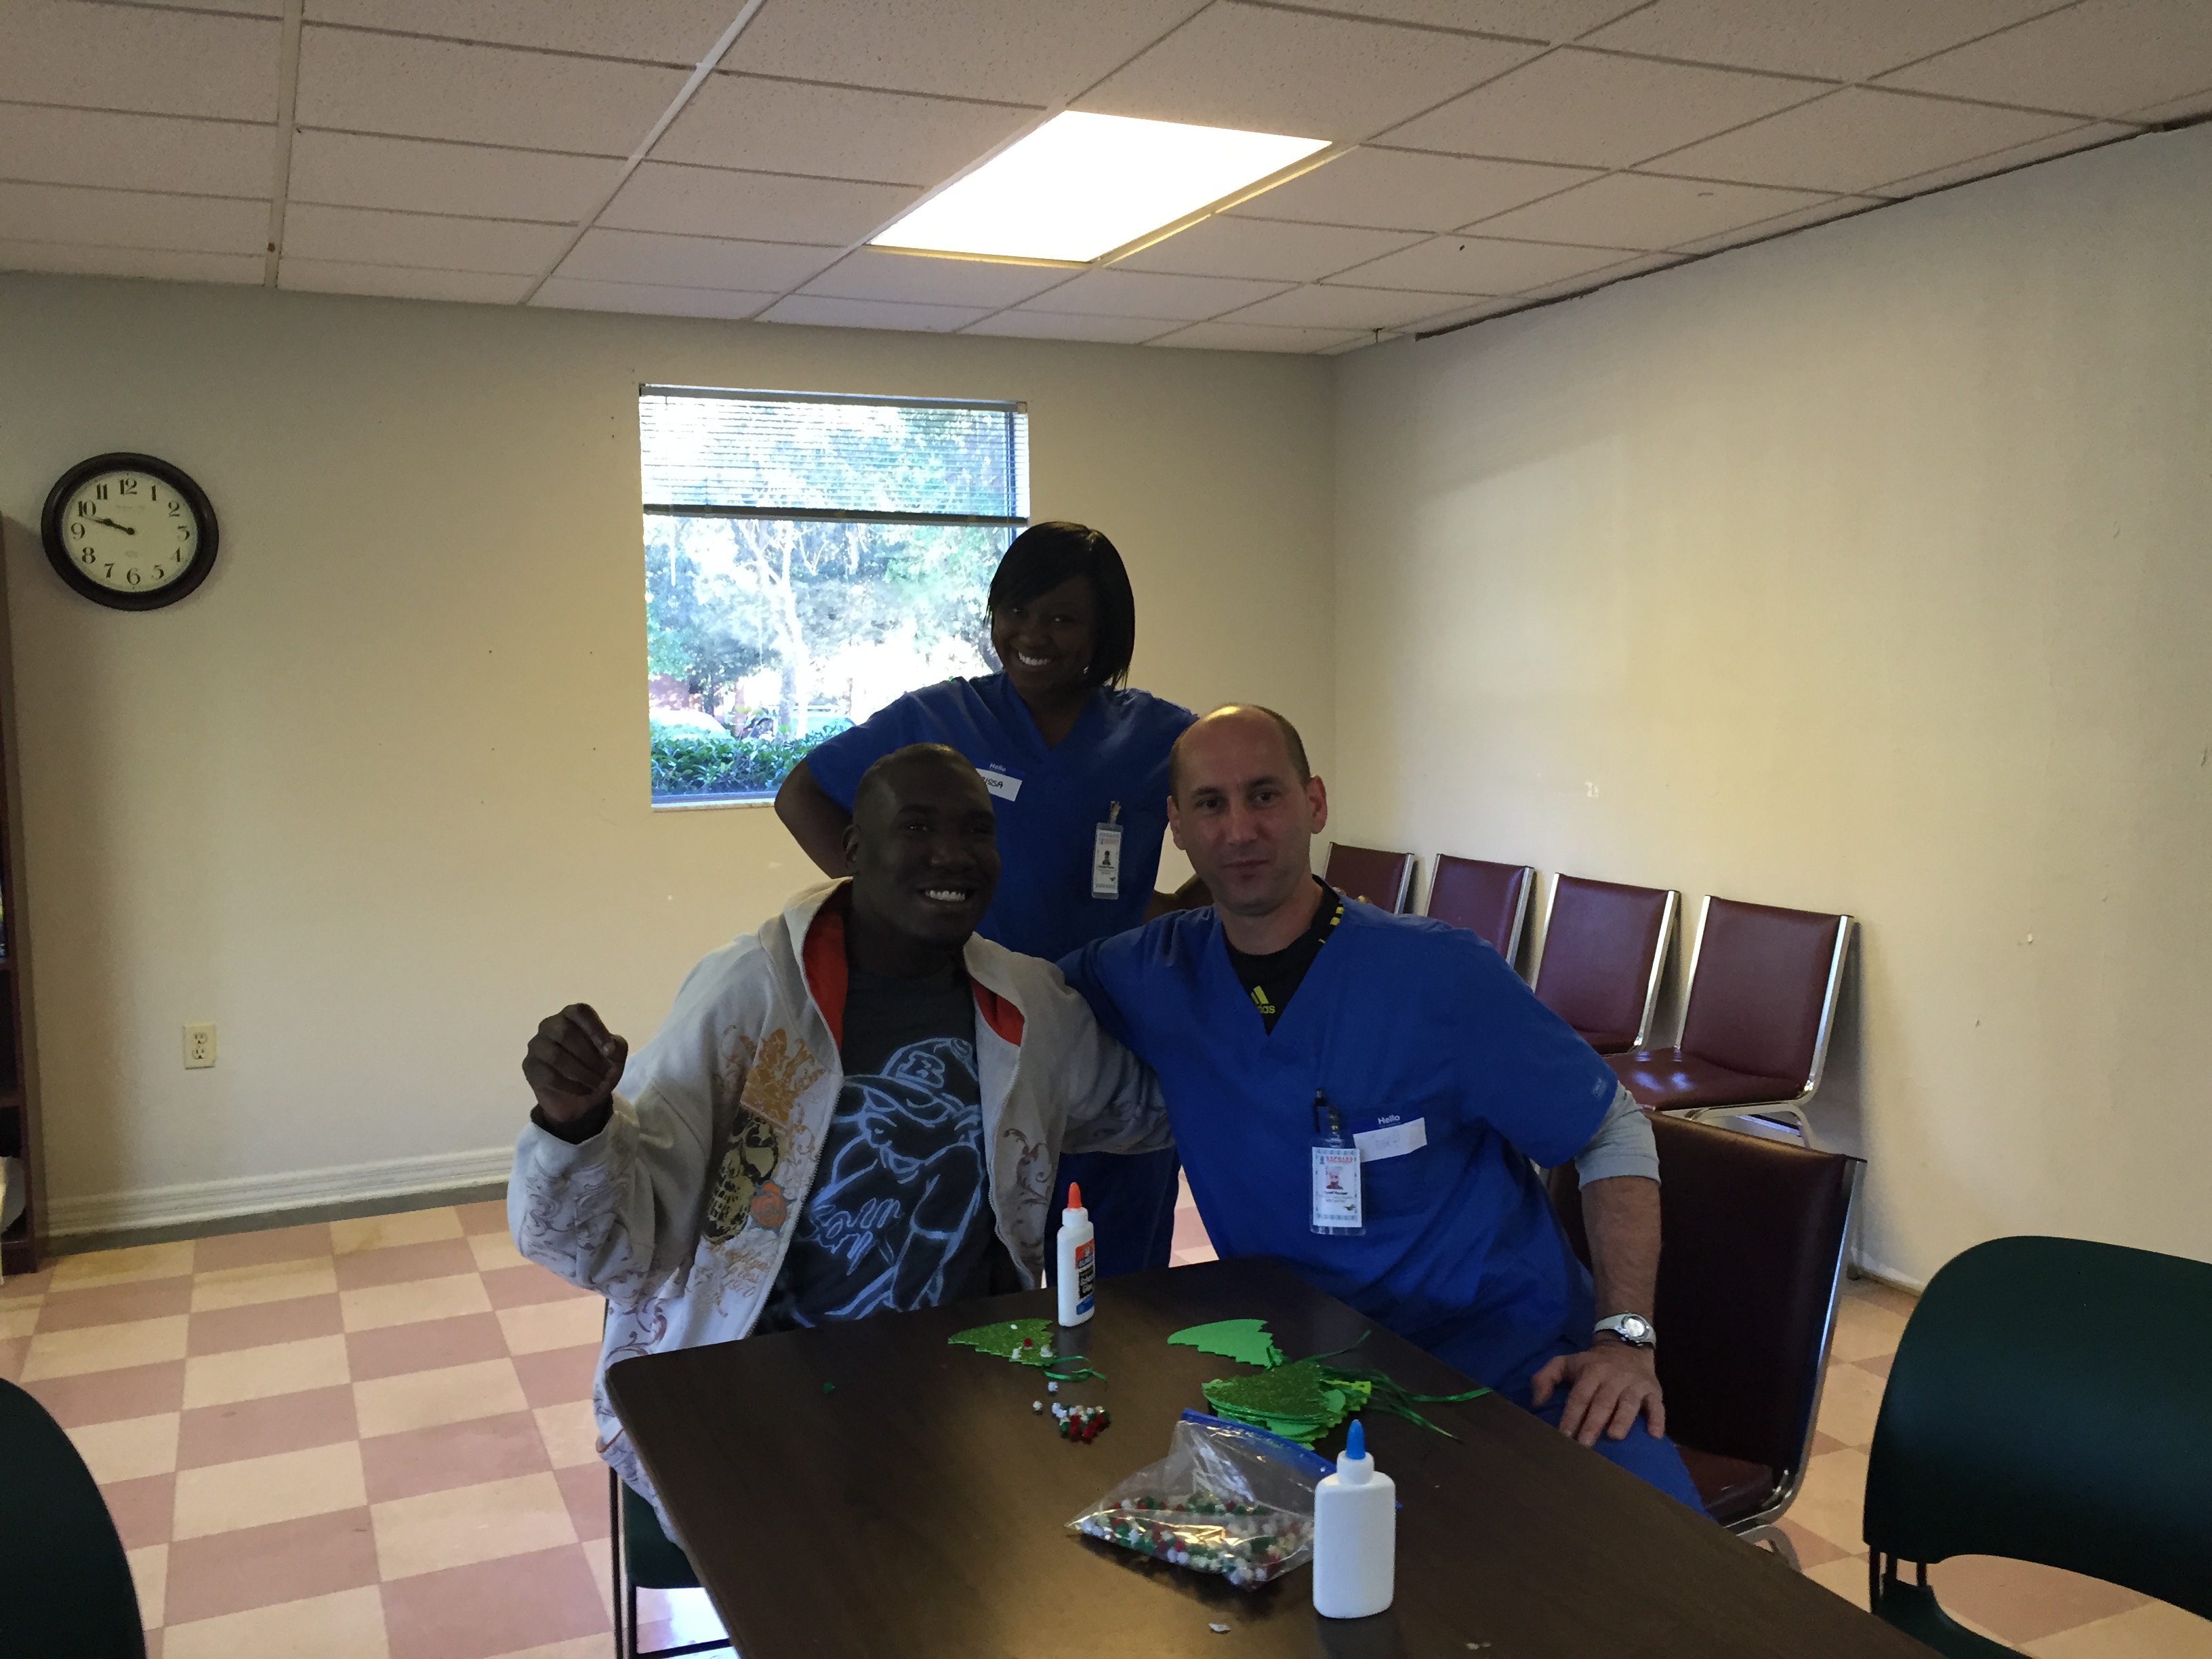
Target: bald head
x: 1245, y: 808
x: 1244, y: 716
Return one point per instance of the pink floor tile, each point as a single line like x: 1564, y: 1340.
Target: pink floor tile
x: 153, y: 1644
x: 402, y: 1264
x: 1813, y: 1550
x: 258, y: 1249
x: 517, y: 1287
x: 11, y: 1356
x: 259, y: 1566
x: 494, y: 1607
x: 262, y: 1428
x: 17, y: 1285
x: 142, y: 1509
x: 585, y: 1487
x: 431, y: 1346
x: 225, y: 1330
x: 558, y: 1376
x: 453, y: 1454
x: 488, y: 1217
x: 116, y: 1304
x: 109, y: 1396
x: 1878, y: 1364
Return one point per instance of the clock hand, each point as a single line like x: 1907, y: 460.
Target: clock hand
x: 112, y: 524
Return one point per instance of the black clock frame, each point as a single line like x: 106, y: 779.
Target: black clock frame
x: 196, y: 502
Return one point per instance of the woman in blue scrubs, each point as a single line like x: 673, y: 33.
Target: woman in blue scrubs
x: 1077, y: 765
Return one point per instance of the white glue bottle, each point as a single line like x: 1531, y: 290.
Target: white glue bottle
x: 1075, y: 1271
x: 1355, y: 1559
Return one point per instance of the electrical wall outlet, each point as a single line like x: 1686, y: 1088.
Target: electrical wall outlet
x: 199, y: 1047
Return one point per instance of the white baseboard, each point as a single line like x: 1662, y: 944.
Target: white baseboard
x: 299, y: 1190
x: 1889, y: 1276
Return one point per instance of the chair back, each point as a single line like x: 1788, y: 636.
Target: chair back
x: 1763, y: 988
x: 68, y: 1587
x: 2046, y: 1403
x: 1381, y: 879
x: 1751, y: 1235
x: 1490, y: 901
x: 1605, y: 951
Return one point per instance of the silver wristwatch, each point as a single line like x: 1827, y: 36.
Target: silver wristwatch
x: 1634, y: 1330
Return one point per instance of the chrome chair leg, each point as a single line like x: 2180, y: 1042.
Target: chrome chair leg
x: 1776, y: 1539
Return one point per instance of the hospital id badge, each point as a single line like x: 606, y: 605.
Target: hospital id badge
x: 1106, y: 856
x: 1336, y: 1206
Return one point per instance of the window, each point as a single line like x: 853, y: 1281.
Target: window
x: 807, y: 559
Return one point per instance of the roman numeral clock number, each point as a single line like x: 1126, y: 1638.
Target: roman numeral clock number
x: 104, y: 528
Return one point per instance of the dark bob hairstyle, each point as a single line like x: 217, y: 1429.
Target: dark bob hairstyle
x: 1046, y: 555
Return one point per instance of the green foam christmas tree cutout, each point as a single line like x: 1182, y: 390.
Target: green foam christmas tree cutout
x: 1302, y: 1401
x: 1025, y: 1341
x: 1245, y: 1339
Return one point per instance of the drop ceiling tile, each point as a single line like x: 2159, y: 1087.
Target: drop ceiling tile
x: 398, y: 283
x: 1834, y: 207
x: 2087, y: 136
x: 1118, y: 293
x: 1478, y: 266
x: 647, y: 31
x: 1338, y: 307
x: 572, y: 294
x: 768, y: 207
x: 78, y: 260
x: 428, y: 241
x: 142, y: 152
x: 1531, y: 20
x: 2101, y: 58
x: 478, y: 94
x: 420, y: 175
x: 1252, y: 336
x: 1591, y: 109
x: 835, y: 132
x: 132, y: 218
x: 1223, y: 246
x: 1016, y: 50
x: 1634, y: 210
x: 1063, y: 325
x: 1254, y: 67
x: 1837, y: 40
x: 632, y: 256
x: 1853, y: 140
x: 871, y: 314
x: 1589, y: 282
x: 1408, y: 190
x: 871, y: 274
x: 133, y: 57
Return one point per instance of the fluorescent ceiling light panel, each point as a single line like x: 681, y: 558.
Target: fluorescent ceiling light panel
x: 1081, y: 186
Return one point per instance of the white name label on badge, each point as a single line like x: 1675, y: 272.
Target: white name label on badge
x: 1336, y: 1189
x: 999, y: 784
x: 1106, y: 862
x: 1392, y: 1139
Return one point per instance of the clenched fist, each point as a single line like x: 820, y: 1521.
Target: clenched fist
x: 573, y: 1065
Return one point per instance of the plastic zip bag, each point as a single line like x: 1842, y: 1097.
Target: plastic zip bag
x: 1226, y: 1499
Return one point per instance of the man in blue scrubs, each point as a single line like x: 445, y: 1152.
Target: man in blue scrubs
x: 1287, y: 1024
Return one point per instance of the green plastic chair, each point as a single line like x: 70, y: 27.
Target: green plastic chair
x: 645, y: 1557
x: 68, y: 1593
x: 2047, y: 1404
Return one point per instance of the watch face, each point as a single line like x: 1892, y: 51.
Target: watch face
x: 129, y: 531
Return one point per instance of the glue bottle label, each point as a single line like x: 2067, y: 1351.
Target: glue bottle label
x: 1086, y: 1271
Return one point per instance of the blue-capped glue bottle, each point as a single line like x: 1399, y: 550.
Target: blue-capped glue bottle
x: 1355, y: 1560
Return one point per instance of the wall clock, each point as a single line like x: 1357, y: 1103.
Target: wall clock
x: 129, y: 531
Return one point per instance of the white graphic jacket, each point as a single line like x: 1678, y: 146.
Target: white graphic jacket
x: 679, y: 1211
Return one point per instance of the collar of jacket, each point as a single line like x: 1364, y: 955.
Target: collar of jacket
x: 816, y: 916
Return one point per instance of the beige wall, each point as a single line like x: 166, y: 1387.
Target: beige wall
x: 375, y: 800
x: 1866, y: 570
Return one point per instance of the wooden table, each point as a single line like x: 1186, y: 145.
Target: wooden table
x: 919, y: 1506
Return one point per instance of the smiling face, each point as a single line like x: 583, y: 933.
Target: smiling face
x: 923, y: 848
x: 1242, y: 814
x: 1046, y: 643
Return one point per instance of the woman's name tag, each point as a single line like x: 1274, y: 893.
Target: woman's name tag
x: 1005, y: 786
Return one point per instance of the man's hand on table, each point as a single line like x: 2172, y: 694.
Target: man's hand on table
x: 1611, y: 1384
x: 572, y: 1066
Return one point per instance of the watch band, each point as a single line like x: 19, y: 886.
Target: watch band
x: 1634, y: 1330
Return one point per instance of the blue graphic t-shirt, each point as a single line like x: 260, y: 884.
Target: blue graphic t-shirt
x: 900, y: 1213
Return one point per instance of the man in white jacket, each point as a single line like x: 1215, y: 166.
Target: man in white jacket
x: 856, y: 1108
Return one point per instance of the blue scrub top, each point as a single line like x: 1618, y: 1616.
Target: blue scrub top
x: 1398, y: 1015
x: 1117, y: 752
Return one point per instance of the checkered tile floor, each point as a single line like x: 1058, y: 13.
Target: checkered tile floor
x: 371, y: 1440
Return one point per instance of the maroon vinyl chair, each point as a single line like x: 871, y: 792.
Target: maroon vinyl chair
x: 1490, y: 901
x: 1381, y: 879
x: 1605, y: 951
x: 1751, y: 1261
x: 1763, y: 988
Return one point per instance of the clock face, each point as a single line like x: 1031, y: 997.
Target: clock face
x: 129, y: 531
